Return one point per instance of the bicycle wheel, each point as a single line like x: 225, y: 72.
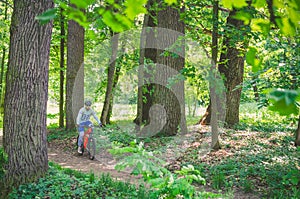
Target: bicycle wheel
x: 92, y: 148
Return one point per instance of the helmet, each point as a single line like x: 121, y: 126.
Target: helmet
x: 88, y: 103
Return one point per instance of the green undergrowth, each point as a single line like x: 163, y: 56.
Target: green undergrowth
x: 66, y: 183
x: 266, y: 164
x: 56, y: 133
x: 258, y: 156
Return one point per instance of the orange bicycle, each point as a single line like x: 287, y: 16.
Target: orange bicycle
x: 89, y: 142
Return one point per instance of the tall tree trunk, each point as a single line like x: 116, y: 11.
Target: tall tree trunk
x: 2, y: 70
x: 149, y: 60
x: 110, y: 77
x: 232, y: 67
x: 2, y: 77
x: 25, y: 138
x: 62, y: 69
x: 115, y: 81
x: 170, y: 61
x: 215, y: 144
x: 111, y: 104
x: 139, y: 120
x: 75, y: 72
x: 297, y: 141
x: 148, y: 57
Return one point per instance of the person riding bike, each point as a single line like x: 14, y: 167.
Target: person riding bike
x: 83, y: 120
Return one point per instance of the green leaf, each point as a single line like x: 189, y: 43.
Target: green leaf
x: 251, y: 59
x: 111, y: 20
x: 278, y: 3
x: 82, y: 4
x: 284, y: 101
x: 135, y: 171
x: 261, y: 25
x: 258, y: 3
x: 134, y: 8
x: 234, y: 3
x: 243, y: 16
x: 286, y: 26
x: 157, y: 182
x: 47, y: 16
x: 170, y: 2
x: 124, y: 21
x: 79, y: 17
x: 295, y: 180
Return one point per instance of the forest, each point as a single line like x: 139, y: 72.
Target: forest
x: 197, y: 99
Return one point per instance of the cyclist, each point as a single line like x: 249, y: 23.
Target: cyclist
x: 83, y: 120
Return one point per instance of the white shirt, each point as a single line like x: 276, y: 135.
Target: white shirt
x: 84, y: 115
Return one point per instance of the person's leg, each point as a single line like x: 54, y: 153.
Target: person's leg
x: 80, y: 137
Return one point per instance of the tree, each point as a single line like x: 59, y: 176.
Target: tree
x: 25, y: 134
x: 148, y: 57
x: 119, y: 63
x: 62, y: 69
x: 170, y: 60
x: 75, y: 72
x: 231, y: 65
x: 110, y: 78
x: 214, y: 96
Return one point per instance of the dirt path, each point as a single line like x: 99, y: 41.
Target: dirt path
x: 103, y: 163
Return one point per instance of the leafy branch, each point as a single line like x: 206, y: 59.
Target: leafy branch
x: 164, y: 182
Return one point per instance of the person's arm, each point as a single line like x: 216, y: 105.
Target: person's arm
x: 96, y: 118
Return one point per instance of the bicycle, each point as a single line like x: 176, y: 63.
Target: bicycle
x: 89, y: 142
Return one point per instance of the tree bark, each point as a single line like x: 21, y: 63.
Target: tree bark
x: 297, y: 141
x: 75, y: 72
x: 148, y: 57
x: 138, y: 120
x: 111, y: 103
x: 116, y: 80
x: 170, y: 60
x: 62, y: 69
x: 205, y: 119
x: 25, y: 137
x: 232, y: 67
x: 215, y: 144
x: 110, y: 78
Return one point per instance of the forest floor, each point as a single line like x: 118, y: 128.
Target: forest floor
x: 246, y: 148
x: 64, y: 153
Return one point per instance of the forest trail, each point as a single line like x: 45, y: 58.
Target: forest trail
x: 103, y: 163
x: 65, y: 154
